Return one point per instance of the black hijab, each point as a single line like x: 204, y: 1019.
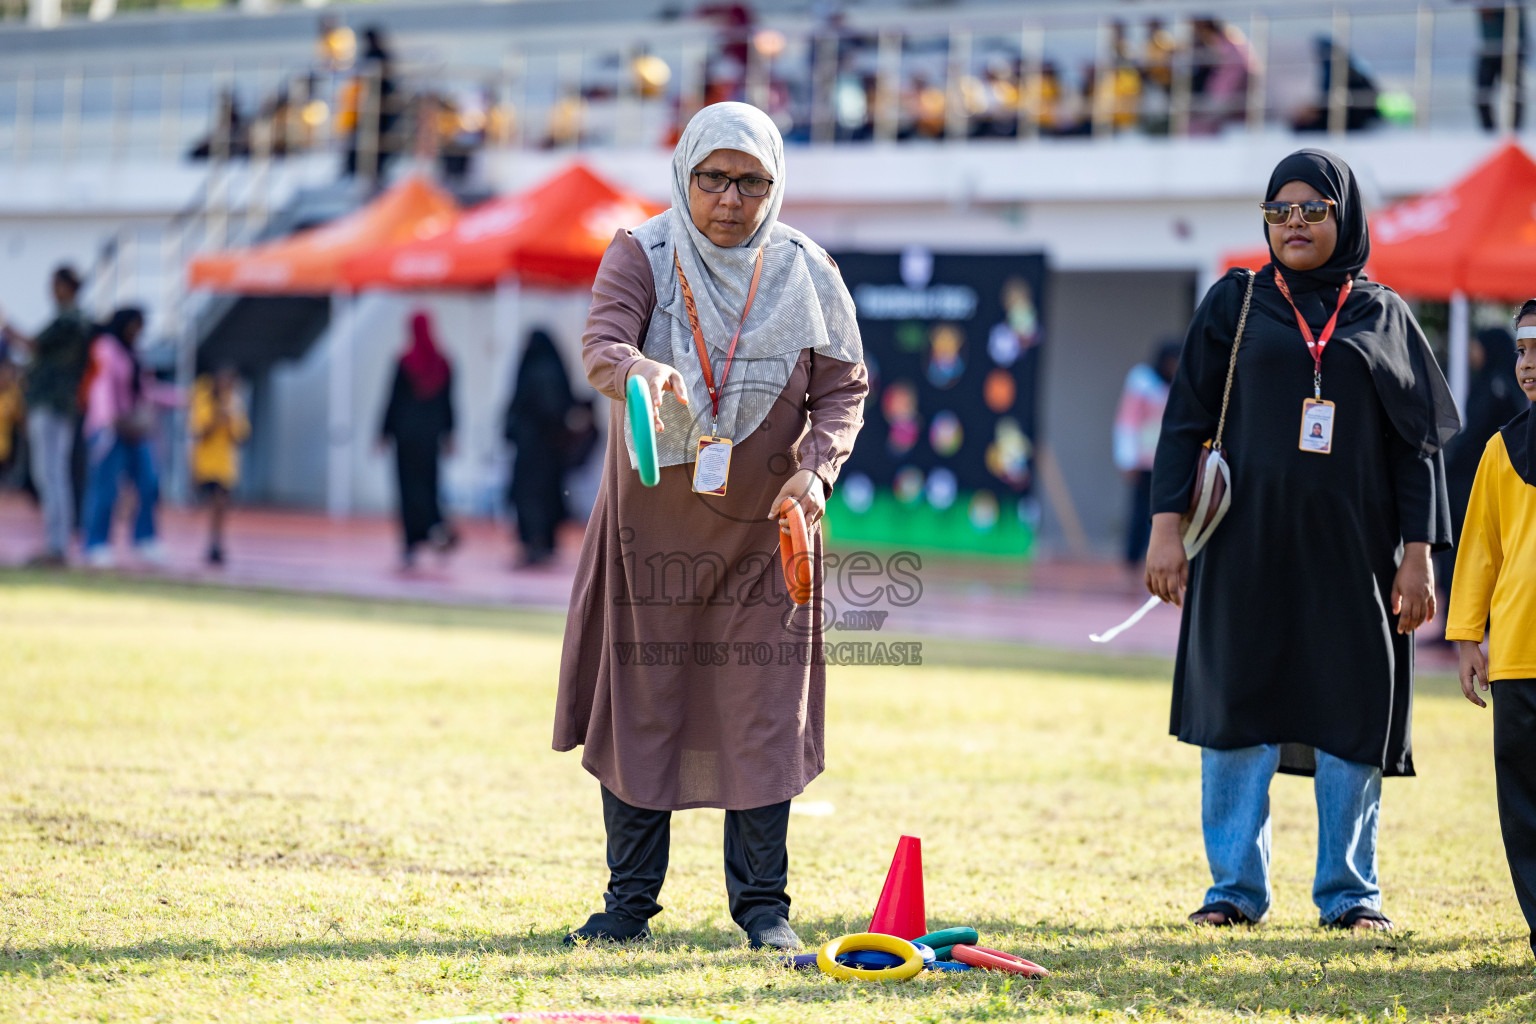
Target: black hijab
x: 1333, y: 179
x: 1520, y: 443
x: 1375, y: 322
x: 117, y: 329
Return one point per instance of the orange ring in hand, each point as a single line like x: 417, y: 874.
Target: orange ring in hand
x: 795, y: 552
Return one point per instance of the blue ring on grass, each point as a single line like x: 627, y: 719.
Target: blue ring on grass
x: 873, y: 959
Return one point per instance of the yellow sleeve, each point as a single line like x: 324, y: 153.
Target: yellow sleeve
x: 1480, y: 553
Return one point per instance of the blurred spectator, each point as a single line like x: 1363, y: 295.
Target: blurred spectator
x: 1493, y: 399
x: 59, y: 353
x: 725, y: 71
x: 335, y: 44
x: 219, y: 427
x: 1117, y: 97
x: 119, y: 421
x: 229, y: 136
x: 1361, y: 109
x: 1138, y: 421
x: 13, y: 414
x: 368, y: 109
x: 553, y: 433
x: 1158, y: 56
x: 419, y: 420
x: 1492, y: 27
x: 922, y: 108
x: 1043, y: 101
x: 1219, y: 84
x: 1000, y: 96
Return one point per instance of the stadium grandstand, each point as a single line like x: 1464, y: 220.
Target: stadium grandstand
x: 1119, y: 145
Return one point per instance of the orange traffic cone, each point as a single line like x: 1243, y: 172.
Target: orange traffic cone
x: 900, y: 910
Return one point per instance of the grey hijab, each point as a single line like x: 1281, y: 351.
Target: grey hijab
x: 801, y: 299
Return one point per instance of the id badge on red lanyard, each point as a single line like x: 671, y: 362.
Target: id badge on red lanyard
x: 1317, y: 416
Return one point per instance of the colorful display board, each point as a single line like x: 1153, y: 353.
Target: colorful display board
x: 946, y: 456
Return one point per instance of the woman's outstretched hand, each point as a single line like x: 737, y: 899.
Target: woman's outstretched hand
x: 806, y: 489
x: 1413, y: 589
x: 1167, y: 566
x: 659, y: 377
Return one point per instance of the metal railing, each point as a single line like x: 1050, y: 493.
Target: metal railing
x: 1389, y: 66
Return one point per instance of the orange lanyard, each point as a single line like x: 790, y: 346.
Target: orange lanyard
x: 698, y: 334
x: 1315, y: 345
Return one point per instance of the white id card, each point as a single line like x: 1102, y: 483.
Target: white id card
x: 1316, y: 426
x: 712, y: 469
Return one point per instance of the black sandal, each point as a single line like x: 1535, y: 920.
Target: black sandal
x: 1347, y: 920
x: 1227, y: 910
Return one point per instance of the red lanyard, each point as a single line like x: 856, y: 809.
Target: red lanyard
x: 1315, y: 346
x: 698, y: 335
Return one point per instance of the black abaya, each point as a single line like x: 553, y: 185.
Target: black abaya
x: 536, y: 425
x: 418, y: 427
x: 1287, y: 634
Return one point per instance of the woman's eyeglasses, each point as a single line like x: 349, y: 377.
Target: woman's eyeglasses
x: 1313, y: 211
x: 750, y: 186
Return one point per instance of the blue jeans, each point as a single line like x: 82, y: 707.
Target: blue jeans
x: 110, y: 458
x: 1234, y: 810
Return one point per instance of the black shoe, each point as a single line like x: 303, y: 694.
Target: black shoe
x: 770, y: 931
x: 606, y: 927
x: 215, y: 556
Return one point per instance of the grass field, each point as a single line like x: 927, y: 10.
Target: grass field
x: 232, y: 807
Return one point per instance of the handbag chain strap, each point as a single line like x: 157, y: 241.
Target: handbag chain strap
x: 1226, y: 392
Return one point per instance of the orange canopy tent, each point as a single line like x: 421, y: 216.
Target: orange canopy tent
x: 1476, y: 236
x: 310, y: 262
x: 552, y: 235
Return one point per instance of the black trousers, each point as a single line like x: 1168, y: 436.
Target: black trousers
x: 1514, y: 768
x: 756, y: 859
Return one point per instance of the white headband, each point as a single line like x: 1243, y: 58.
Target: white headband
x: 1526, y: 332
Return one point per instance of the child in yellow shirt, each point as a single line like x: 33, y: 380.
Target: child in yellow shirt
x: 219, y: 426
x: 1496, y: 581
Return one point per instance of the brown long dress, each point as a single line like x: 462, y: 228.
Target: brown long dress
x: 686, y: 672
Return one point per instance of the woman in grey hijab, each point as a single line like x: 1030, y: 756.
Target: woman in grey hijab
x: 687, y: 674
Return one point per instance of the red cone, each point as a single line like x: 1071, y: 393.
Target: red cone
x: 900, y: 910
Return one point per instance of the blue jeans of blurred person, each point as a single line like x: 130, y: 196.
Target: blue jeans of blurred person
x: 1235, y: 814
x: 111, y: 458
x: 50, y: 438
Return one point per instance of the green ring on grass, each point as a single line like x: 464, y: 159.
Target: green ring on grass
x: 642, y: 424
x: 948, y: 937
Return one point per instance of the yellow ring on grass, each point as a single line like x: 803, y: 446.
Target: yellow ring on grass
x: 826, y: 959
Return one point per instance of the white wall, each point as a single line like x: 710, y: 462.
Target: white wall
x: 479, y: 333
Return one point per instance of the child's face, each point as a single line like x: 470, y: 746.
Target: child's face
x: 1525, y: 360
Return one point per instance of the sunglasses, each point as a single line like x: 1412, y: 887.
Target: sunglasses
x: 1313, y: 211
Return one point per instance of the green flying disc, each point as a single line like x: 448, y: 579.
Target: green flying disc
x: 642, y: 424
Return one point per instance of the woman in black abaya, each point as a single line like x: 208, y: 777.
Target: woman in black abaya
x: 537, y: 425
x: 1296, y: 647
x: 419, y: 420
